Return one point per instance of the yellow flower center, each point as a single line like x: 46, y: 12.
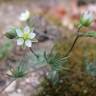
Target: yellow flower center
x: 26, y: 36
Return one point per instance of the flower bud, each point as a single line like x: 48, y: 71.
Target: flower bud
x: 24, y: 16
x: 11, y: 34
x: 86, y: 19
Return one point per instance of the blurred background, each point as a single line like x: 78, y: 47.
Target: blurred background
x: 56, y: 18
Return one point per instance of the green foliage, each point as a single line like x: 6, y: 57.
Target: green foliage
x: 18, y: 72
x: 90, y: 66
x: 91, y: 69
x: 55, y: 60
x: 53, y: 76
x: 89, y: 34
x: 5, y: 49
x: 31, y: 61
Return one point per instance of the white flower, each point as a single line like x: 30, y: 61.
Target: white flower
x: 24, y: 16
x: 25, y: 37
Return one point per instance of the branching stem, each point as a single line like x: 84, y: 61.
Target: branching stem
x: 73, y: 44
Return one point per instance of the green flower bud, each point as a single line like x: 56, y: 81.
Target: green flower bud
x: 86, y: 19
x: 11, y: 34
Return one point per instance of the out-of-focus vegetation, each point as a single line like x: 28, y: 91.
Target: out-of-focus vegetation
x: 79, y: 78
x: 5, y: 49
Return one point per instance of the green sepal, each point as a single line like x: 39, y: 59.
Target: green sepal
x: 11, y: 34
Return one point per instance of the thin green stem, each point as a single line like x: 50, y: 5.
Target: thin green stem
x: 69, y: 51
x: 73, y: 44
x: 37, y: 56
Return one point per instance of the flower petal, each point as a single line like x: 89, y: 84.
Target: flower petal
x: 27, y: 29
x: 20, y: 41
x: 19, y: 32
x: 28, y: 43
x: 32, y: 35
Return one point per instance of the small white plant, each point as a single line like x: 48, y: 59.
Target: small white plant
x: 24, y: 16
x: 25, y: 37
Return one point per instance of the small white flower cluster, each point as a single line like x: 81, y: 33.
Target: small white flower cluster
x: 25, y: 37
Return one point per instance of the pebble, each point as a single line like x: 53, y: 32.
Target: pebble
x: 11, y: 87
